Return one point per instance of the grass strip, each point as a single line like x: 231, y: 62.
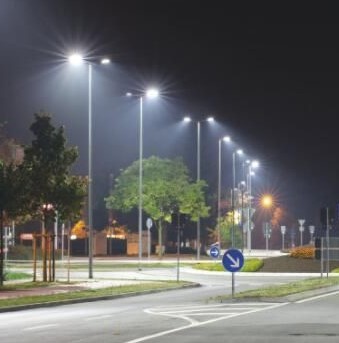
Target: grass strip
x: 250, y: 265
x: 286, y: 289
x: 88, y: 293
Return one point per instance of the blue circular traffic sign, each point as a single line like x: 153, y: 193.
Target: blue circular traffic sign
x: 214, y: 252
x: 233, y: 260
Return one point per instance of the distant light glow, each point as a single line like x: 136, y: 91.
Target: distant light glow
x: 239, y: 152
x: 76, y: 59
x: 129, y: 94
x: 105, y: 61
x: 267, y: 201
x: 152, y: 93
x: 248, y: 161
x: 255, y: 164
x: 210, y: 119
x: 252, y: 173
x: 187, y: 119
x: 226, y: 139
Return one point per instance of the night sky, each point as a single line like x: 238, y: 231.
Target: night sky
x: 269, y: 76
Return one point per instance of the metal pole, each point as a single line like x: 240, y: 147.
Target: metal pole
x: 219, y: 194
x: 283, y: 242
x: 327, y: 243
x: 90, y: 180
x: 178, y: 248
x: 233, y: 285
x: 140, y: 187
x: 198, y: 179
x: 62, y: 241
x: 233, y: 198
x: 249, y: 226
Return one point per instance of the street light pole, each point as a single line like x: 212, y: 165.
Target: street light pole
x: 252, y: 164
x: 140, y: 183
x: 150, y: 93
x: 90, y: 179
x: 188, y: 119
x: 198, y: 179
x: 225, y: 139
x: 239, y: 151
x: 77, y: 59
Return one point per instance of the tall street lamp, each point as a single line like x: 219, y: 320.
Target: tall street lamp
x: 189, y: 119
x: 77, y: 59
x: 251, y: 165
x: 238, y: 152
x: 226, y: 139
x: 150, y: 93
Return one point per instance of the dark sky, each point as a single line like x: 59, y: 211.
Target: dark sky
x: 268, y: 75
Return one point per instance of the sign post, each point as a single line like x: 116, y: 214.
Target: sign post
x: 149, y: 224
x: 312, y: 229
x: 233, y: 260
x: 301, y: 229
x: 283, y: 231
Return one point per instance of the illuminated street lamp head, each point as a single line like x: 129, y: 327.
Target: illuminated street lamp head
x: 152, y: 93
x: 76, y: 59
x: 255, y: 164
x: 226, y: 139
x: 105, y: 61
x: 267, y: 201
x: 239, y: 152
x: 210, y: 119
x: 187, y: 119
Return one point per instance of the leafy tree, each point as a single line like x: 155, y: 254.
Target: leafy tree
x: 166, y: 188
x: 226, y: 225
x: 47, y: 164
x: 12, y: 188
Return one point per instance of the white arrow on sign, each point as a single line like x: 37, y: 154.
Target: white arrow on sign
x: 236, y: 263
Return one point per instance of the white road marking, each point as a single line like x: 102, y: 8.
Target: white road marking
x: 316, y: 297
x: 196, y: 324
x: 39, y: 327
x: 98, y: 317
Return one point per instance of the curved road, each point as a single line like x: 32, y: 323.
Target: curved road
x: 186, y: 315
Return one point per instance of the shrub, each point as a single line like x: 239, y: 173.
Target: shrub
x: 303, y: 252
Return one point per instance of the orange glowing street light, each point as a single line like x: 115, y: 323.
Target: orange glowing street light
x: 267, y: 201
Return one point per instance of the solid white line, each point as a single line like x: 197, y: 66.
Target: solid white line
x: 316, y: 297
x: 40, y: 327
x: 104, y: 316
x: 163, y: 333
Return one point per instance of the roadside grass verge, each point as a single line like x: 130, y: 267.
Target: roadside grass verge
x: 250, y: 265
x: 82, y: 294
x: 9, y: 276
x: 286, y: 289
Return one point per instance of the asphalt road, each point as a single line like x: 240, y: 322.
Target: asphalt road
x: 186, y: 315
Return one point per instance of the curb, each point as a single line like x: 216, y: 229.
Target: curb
x: 92, y: 299
x: 291, y: 298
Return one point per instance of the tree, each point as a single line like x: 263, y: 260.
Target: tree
x: 226, y: 227
x: 52, y: 190
x: 166, y: 188
x: 12, y: 188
